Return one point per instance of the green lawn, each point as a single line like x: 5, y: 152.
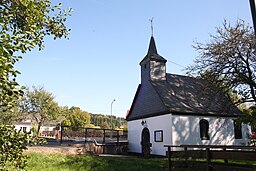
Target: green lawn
x: 57, y: 162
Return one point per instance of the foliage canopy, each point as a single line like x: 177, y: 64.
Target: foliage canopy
x: 78, y: 117
x: 23, y: 26
x: 229, y: 60
x: 40, y: 106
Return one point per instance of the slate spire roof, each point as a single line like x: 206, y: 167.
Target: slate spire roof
x: 152, y: 46
x: 152, y: 53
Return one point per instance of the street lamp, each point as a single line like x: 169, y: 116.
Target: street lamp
x: 111, y: 113
x: 253, y: 10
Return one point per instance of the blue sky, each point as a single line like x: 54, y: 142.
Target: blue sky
x: 108, y: 39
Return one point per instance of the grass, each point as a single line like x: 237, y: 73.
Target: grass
x: 58, y: 162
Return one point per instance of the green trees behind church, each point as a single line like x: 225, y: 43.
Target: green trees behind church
x: 105, y: 121
x: 75, y: 117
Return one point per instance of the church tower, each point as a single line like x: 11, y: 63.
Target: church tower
x: 153, y: 66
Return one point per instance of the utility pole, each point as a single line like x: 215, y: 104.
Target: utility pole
x: 253, y: 10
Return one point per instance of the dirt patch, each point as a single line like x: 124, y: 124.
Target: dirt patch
x: 56, y: 150
x: 77, y: 149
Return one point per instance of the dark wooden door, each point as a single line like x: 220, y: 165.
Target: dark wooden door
x: 145, y: 142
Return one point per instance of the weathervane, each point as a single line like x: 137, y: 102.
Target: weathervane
x: 151, y: 21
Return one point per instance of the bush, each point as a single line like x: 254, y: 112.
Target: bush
x: 12, y: 145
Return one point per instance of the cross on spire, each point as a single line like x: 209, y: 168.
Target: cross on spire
x: 151, y: 22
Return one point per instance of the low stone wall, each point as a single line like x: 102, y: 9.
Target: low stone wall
x: 78, y: 149
x: 92, y: 148
x: 116, y: 149
x: 120, y: 148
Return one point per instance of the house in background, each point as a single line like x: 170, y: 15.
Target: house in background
x: 171, y: 109
x: 24, y: 126
x: 28, y: 124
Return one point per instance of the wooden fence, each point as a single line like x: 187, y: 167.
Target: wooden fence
x: 209, y: 154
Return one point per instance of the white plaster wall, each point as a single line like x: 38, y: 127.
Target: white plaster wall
x: 178, y: 129
x: 134, y: 136
x: 164, y: 123
x: 221, y: 131
x: 135, y: 128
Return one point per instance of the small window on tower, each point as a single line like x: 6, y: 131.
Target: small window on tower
x: 145, y: 66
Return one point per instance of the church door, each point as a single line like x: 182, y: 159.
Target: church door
x: 145, y: 142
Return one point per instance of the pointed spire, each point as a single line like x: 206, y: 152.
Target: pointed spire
x: 152, y: 53
x: 152, y: 46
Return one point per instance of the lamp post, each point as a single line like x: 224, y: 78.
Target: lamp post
x: 253, y: 10
x: 111, y: 113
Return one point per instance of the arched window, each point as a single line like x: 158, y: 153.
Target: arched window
x: 204, y: 129
x: 238, y: 130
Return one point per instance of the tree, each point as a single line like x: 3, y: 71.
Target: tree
x: 250, y: 117
x: 78, y: 118
x: 40, y: 106
x: 16, y: 114
x: 66, y: 122
x: 105, y: 125
x: 23, y: 26
x: 7, y: 117
x: 228, y: 61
